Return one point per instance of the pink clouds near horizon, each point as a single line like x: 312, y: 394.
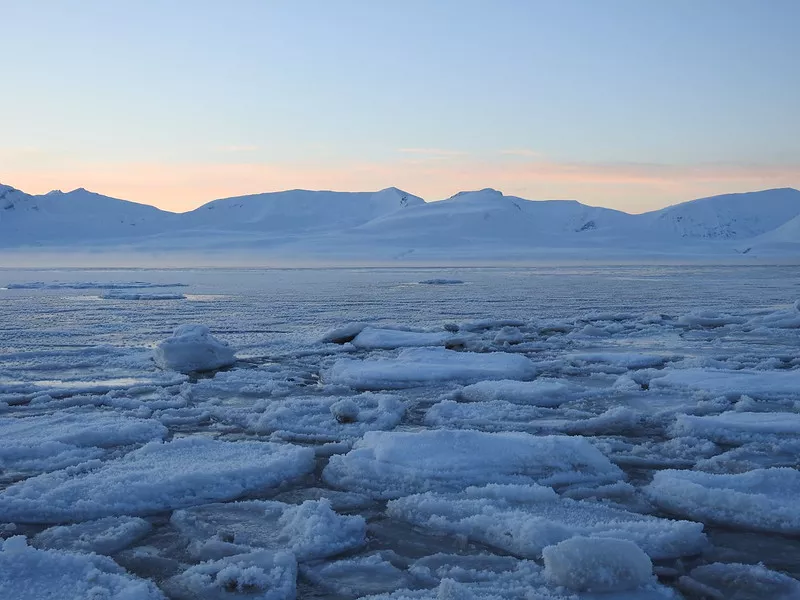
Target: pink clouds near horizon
x: 431, y: 173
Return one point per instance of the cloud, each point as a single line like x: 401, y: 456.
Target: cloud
x: 634, y: 187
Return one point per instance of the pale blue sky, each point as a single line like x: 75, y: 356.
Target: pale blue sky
x: 627, y: 103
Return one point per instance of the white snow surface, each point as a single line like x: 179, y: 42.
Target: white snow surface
x: 311, y: 530
x: 689, y: 369
x: 391, y: 224
x: 60, y: 439
x: 393, y: 464
x: 760, y: 500
x: 418, y: 366
x: 594, y: 565
x: 262, y: 574
x: 192, y: 348
x: 156, y: 477
x: 523, y: 520
x: 103, y: 536
x: 30, y: 574
x: 540, y: 392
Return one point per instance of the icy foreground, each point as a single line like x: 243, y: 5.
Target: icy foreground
x: 471, y: 441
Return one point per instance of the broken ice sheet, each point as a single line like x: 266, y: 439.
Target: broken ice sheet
x: 154, y: 478
x: 523, y: 520
x: 394, y: 464
x: 310, y: 530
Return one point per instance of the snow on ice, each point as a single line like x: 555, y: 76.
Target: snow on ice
x: 156, y: 477
x: 191, y: 349
x: 419, y: 366
x: 394, y: 464
x: 585, y: 434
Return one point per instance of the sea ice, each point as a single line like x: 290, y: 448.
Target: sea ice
x: 540, y: 392
x: 103, y: 536
x: 419, y: 366
x: 328, y: 419
x: 310, y: 530
x: 756, y: 384
x: 30, y: 574
x: 192, y: 348
x: 523, y: 520
x: 371, y: 338
x: 64, y: 438
x: 140, y: 296
x: 740, y: 427
x: 156, y: 477
x: 761, y: 500
x: 394, y: 464
x: 595, y: 565
x: 261, y: 575
x: 735, y: 581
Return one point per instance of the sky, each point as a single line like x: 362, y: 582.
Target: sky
x: 630, y: 104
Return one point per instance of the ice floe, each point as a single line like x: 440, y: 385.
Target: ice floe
x: 30, y: 574
x: 523, y: 520
x: 731, y: 383
x: 595, y: 565
x: 540, y: 392
x: 394, y: 464
x: 192, y: 348
x: 60, y: 439
x: 371, y: 338
x: 740, y: 427
x: 103, y: 536
x: 262, y: 574
x: 140, y: 296
x: 761, y: 500
x: 327, y: 419
x: 310, y: 530
x: 156, y: 477
x: 419, y: 366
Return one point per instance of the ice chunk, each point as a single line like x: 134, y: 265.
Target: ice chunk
x: 310, y: 530
x: 628, y: 360
x: 540, y: 392
x: 739, y: 582
x: 140, y: 296
x: 731, y: 383
x: 64, y: 438
x: 156, y: 477
x: 419, y: 366
x: 740, y: 427
x: 261, y: 575
x: 486, y: 577
x: 595, y: 565
x: 191, y: 349
x: 761, y: 500
x: 104, y: 536
x: 30, y: 574
x: 343, y: 334
x: 523, y: 520
x: 356, y: 577
x: 387, y: 339
x: 393, y: 464
x: 328, y: 419
x: 708, y: 318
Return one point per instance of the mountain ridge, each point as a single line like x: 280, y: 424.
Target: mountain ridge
x: 392, y: 222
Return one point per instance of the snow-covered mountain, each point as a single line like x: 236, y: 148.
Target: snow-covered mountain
x: 297, y: 211
x: 727, y: 217
x: 391, y: 223
x: 75, y: 218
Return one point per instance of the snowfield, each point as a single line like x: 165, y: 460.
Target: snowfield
x: 625, y: 433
